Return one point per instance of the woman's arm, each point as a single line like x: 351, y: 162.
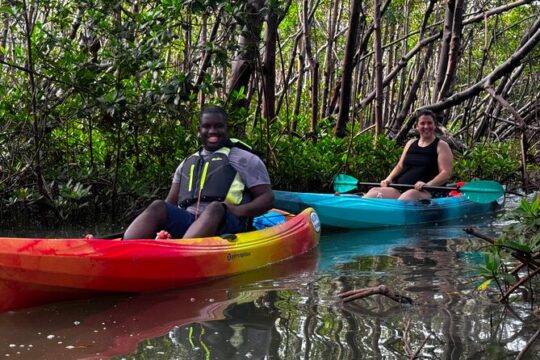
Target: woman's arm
x: 445, y: 159
x: 399, y: 166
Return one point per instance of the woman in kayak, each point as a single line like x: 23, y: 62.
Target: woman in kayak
x: 426, y: 161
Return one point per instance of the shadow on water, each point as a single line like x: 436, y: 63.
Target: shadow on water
x: 291, y: 310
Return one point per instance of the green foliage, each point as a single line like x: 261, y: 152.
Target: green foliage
x: 303, y: 165
x: 493, y: 161
x: 521, y: 236
x: 373, y: 161
x: 310, y: 166
x: 117, y: 88
x: 524, y: 233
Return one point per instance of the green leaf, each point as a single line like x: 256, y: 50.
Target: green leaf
x: 519, y: 246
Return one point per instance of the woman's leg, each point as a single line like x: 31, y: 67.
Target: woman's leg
x: 382, y: 192
x: 414, y: 194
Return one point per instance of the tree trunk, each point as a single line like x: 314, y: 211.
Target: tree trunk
x: 444, y: 50
x: 314, y: 68
x: 532, y: 38
x: 454, y: 52
x: 243, y: 64
x: 29, y: 13
x: 329, y: 57
x: 379, y: 94
x: 348, y: 64
x: 269, y: 66
x: 299, y: 90
x: 207, y: 54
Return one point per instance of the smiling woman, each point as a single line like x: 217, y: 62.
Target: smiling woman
x: 426, y: 161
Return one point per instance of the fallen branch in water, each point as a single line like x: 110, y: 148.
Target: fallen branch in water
x: 527, y: 346
x: 376, y: 290
x: 518, y: 284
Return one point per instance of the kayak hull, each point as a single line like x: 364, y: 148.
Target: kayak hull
x: 57, y: 267
x: 354, y: 212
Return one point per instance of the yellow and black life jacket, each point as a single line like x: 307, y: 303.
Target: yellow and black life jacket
x: 212, y: 180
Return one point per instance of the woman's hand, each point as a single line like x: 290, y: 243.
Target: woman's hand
x: 385, y: 182
x: 419, y: 185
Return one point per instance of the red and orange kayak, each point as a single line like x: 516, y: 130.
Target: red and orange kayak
x: 34, y: 271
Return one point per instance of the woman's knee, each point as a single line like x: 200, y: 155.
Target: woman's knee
x: 383, y: 192
x: 414, y: 194
x: 373, y: 192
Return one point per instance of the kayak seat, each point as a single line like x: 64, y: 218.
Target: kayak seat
x: 271, y: 218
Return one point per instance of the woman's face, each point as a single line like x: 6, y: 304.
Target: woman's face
x: 426, y: 126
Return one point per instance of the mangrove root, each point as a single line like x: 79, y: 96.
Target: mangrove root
x: 376, y: 290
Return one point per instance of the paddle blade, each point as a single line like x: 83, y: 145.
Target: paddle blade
x: 344, y: 183
x: 482, y: 191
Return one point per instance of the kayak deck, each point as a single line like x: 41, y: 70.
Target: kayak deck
x: 355, y: 212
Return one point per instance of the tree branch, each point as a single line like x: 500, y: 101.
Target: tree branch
x: 376, y: 290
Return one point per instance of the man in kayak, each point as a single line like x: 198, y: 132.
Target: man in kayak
x: 214, y: 191
x: 426, y: 161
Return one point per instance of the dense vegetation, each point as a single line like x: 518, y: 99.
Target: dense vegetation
x: 99, y: 99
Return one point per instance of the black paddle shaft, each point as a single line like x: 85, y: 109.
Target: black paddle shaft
x: 408, y: 186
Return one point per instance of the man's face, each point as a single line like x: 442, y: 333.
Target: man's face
x: 213, y: 131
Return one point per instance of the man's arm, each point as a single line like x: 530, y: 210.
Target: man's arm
x: 263, y: 200
x: 172, y: 198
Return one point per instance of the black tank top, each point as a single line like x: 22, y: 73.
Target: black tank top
x: 419, y: 164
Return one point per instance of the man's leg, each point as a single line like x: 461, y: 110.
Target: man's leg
x: 148, y: 222
x: 208, y: 222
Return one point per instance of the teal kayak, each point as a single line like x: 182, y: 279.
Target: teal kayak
x: 354, y: 212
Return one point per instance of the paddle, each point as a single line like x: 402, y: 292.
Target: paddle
x: 480, y: 191
x: 111, y: 236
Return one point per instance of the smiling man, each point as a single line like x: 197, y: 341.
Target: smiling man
x: 214, y: 191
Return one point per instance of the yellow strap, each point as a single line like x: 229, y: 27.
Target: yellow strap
x: 191, y: 171
x: 203, y: 178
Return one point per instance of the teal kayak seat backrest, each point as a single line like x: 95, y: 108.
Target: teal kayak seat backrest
x: 269, y: 219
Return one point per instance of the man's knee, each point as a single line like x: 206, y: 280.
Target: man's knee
x: 157, y: 208
x: 215, y: 210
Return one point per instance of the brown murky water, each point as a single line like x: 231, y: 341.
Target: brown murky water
x: 292, y: 311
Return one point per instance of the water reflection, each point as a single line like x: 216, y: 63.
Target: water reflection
x: 291, y: 310
x: 105, y: 327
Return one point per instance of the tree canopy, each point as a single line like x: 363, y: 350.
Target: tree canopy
x: 101, y: 97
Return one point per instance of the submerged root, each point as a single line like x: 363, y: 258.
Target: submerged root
x: 376, y: 290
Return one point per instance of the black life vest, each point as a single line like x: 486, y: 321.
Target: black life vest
x: 212, y: 180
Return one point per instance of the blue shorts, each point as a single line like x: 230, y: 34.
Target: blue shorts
x: 179, y: 220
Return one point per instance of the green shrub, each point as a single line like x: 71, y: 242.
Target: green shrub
x: 494, y: 161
